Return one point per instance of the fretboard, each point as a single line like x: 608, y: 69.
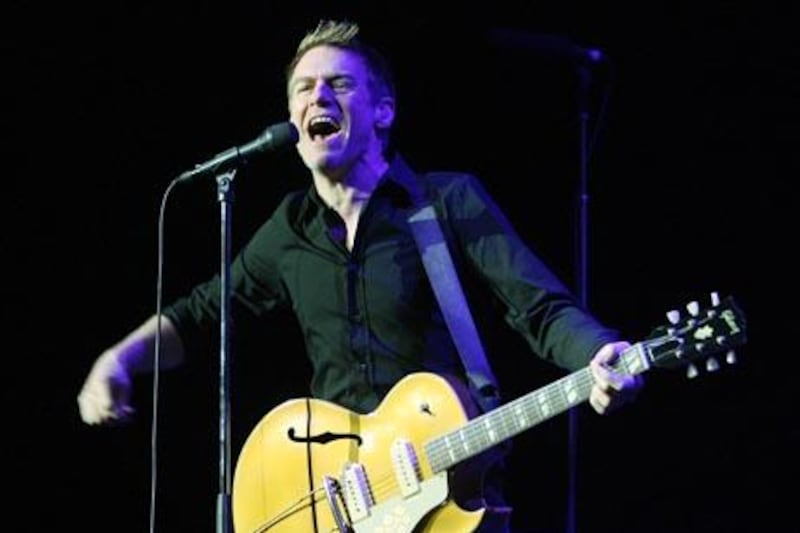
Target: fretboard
x: 523, y: 413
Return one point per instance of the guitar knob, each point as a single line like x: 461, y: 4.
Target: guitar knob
x: 691, y: 371
x: 674, y: 316
x: 693, y: 308
x: 730, y: 357
x: 712, y: 365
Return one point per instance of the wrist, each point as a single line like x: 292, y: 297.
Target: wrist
x: 127, y: 358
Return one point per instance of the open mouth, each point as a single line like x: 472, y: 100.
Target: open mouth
x: 322, y: 127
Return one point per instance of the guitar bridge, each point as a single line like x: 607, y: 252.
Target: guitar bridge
x: 332, y: 493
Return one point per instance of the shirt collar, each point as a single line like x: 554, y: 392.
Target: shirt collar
x: 399, y: 180
x: 411, y: 186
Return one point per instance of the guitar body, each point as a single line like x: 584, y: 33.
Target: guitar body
x: 278, y: 484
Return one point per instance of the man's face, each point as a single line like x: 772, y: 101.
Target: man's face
x: 331, y: 105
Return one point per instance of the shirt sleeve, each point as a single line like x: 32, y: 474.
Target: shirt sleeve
x: 256, y: 288
x: 537, y: 304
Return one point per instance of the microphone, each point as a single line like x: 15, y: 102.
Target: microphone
x: 274, y: 137
x: 548, y: 45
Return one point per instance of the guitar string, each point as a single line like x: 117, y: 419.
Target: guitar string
x: 384, y: 485
x: 383, y: 488
x: 442, y: 452
x: 508, y: 421
x: 291, y: 508
x: 508, y: 424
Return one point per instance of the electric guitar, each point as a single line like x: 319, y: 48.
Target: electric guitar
x: 415, y: 463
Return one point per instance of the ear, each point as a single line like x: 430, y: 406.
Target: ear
x: 384, y: 113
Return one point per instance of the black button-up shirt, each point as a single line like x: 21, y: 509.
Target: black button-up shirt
x: 369, y: 316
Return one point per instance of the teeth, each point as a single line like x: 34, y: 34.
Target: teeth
x: 323, y: 118
x: 322, y: 125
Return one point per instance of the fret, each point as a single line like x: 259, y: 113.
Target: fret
x: 449, y: 448
x: 520, y: 416
x: 544, y: 405
x: 571, y: 391
x: 464, y: 441
x: 490, y: 432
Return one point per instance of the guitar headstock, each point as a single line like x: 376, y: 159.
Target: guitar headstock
x: 700, y: 334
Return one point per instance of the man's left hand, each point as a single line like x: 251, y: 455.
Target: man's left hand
x: 612, y: 389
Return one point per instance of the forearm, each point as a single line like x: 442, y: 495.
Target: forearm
x: 136, y: 351
x: 105, y: 395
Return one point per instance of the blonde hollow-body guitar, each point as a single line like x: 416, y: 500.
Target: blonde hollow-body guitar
x: 416, y: 462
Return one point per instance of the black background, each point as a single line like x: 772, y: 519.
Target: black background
x: 692, y: 124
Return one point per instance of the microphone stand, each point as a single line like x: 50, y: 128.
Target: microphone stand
x: 584, y: 79
x: 225, y: 198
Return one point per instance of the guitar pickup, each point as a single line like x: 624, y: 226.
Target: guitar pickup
x: 406, y: 467
x: 357, y: 493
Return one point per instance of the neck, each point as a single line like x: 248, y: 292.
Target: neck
x: 349, y: 190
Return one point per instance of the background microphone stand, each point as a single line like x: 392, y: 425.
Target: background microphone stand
x: 556, y: 47
x: 584, y: 74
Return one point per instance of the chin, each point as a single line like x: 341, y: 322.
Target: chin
x: 323, y: 162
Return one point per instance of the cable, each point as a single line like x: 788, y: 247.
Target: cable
x: 157, y: 358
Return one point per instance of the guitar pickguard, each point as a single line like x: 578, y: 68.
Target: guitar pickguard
x: 401, y: 513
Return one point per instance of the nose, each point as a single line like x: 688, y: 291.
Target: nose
x: 321, y: 93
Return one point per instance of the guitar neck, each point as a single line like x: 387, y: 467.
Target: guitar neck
x: 523, y: 413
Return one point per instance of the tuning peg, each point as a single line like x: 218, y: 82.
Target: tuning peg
x: 715, y: 301
x: 693, y: 308
x: 691, y: 371
x: 674, y: 316
x: 699, y: 347
x: 730, y: 357
x: 712, y: 365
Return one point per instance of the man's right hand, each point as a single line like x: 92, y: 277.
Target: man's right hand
x: 105, y: 396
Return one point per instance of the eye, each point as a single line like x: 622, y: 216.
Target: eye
x: 301, y: 86
x: 342, y: 84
